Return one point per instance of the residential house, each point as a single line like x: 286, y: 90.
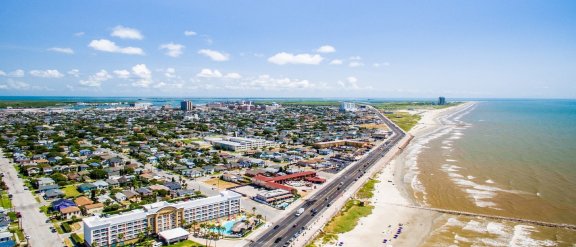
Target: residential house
x: 44, y: 181
x: 173, y: 185
x: 86, y: 187
x: 230, y: 177
x: 100, y: 184
x: 62, y: 203
x: 208, y: 169
x: 69, y: 212
x: 95, y: 208
x: 112, y: 183
x: 144, y: 192
x: 196, y: 172
x: 47, y: 170
x: 120, y: 197
x: 132, y: 196
x: 53, y: 194
x: 45, y: 188
x: 83, y: 201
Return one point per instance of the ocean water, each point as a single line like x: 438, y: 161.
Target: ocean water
x: 514, y: 158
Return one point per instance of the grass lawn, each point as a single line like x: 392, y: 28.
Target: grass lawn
x: 367, y: 190
x: 5, y: 201
x: 71, y: 191
x: 404, y: 120
x: 186, y: 243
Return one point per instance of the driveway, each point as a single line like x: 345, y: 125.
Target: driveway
x: 33, y: 221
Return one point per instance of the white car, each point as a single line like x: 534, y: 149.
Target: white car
x: 27, y: 236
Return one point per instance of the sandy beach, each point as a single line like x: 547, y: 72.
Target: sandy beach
x: 391, y: 193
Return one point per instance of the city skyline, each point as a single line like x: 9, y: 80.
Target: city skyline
x: 492, y: 49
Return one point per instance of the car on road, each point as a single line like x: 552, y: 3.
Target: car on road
x: 276, y: 227
x: 277, y: 240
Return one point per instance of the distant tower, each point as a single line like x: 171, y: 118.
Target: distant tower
x: 186, y: 105
x: 441, y: 100
x: 347, y: 106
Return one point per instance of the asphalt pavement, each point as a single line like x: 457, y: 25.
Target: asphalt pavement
x: 33, y: 221
x: 291, y: 226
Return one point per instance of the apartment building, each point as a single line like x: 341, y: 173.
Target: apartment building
x: 241, y: 143
x: 158, y: 217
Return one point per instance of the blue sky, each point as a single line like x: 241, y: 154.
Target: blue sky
x: 383, y: 49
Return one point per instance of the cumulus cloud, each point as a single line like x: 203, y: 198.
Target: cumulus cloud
x: 2, y: 73
x: 336, y: 62
x: 126, y: 33
x: 215, y: 55
x: 109, y: 46
x: 377, y: 65
x: 209, y: 73
x: 16, y: 85
x: 17, y: 73
x: 96, y: 79
x: 122, y: 74
x: 142, y: 75
x: 74, y: 72
x: 78, y: 34
x: 326, y: 49
x: 170, y: 72
x: 269, y: 83
x: 189, y: 33
x: 49, y: 73
x: 283, y: 58
x: 173, y: 50
x: 351, y: 83
x: 64, y: 50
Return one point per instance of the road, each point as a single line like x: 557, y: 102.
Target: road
x: 33, y: 221
x: 291, y: 225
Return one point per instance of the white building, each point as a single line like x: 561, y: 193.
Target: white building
x: 240, y: 143
x: 141, y: 105
x: 157, y: 218
x: 347, y: 106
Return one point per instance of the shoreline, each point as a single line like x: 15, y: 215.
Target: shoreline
x: 392, y: 191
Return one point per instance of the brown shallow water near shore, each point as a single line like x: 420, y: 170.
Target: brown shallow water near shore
x: 450, y: 170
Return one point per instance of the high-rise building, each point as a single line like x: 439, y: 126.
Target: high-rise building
x: 186, y: 105
x: 441, y: 101
x: 347, y: 106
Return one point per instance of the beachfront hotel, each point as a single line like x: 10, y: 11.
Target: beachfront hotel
x: 158, y: 218
x: 239, y: 144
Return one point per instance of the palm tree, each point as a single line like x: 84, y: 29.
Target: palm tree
x: 195, y: 225
x: 259, y: 217
x: 254, y: 210
x: 121, y: 237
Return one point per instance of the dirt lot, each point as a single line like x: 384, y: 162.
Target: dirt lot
x: 218, y: 183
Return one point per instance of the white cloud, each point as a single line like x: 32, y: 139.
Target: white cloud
x: 355, y: 58
x: 49, y: 73
x: 78, y: 34
x: 74, y: 72
x: 355, y: 64
x: 142, y: 74
x: 122, y: 74
x: 173, y: 50
x: 215, y: 55
x: 209, y: 73
x: 62, y: 50
x: 17, y: 73
x: 109, y: 46
x: 96, y: 80
x: 289, y: 58
x: 326, y: 49
x: 351, y: 83
x: 190, y: 33
x: 126, y: 33
x: 16, y: 85
x: 2, y: 73
x: 170, y: 72
x: 336, y: 62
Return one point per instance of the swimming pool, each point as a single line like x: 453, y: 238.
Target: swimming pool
x: 228, y: 225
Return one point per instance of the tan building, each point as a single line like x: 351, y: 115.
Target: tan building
x: 95, y: 208
x: 69, y: 212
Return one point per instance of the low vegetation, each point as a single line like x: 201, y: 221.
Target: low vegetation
x: 404, y: 120
x: 186, y: 243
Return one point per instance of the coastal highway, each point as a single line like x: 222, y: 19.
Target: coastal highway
x: 291, y: 225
